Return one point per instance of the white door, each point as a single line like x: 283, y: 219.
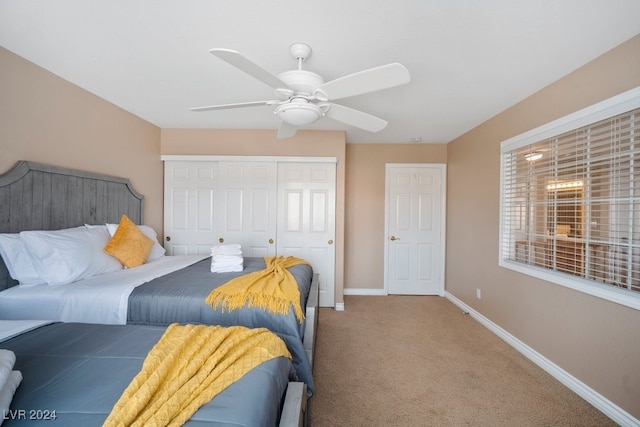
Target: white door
x: 247, y: 209
x: 189, y: 202
x: 306, y: 219
x: 414, y: 248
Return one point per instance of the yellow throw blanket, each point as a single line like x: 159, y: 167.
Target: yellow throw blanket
x: 273, y: 289
x: 188, y: 367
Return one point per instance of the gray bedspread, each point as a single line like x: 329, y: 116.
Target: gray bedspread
x: 180, y: 297
x: 79, y: 371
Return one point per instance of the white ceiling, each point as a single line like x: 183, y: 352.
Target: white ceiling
x: 468, y: 59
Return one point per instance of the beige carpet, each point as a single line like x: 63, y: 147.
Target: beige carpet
x: 419, y: 361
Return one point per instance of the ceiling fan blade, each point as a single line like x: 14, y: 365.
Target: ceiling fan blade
x: 367, y: 81
x: 355, y: 118
x: 237, y: 60
x: 236, y: 105
x: 286, y: 130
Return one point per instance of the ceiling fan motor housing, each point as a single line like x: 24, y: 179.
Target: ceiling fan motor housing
x: 301, y: 81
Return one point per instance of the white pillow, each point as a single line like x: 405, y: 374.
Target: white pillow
x: 156, y: 250
x: 64, y: 256
x: 96, y: 226
x: 17, y: 260
x: 8, y: 390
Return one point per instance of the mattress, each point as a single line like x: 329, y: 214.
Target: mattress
x: 180, y: 297
x: 167, y: 290
x: 76, y: 372
x: 99, y: 299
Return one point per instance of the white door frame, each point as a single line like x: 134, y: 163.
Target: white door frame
x: 443, y: 174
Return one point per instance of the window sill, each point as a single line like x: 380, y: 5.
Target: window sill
x: 606, y: 292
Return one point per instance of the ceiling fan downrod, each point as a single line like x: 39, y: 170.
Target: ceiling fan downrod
x: 300, y: 51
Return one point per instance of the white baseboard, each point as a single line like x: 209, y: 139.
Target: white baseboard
x: 603, y: 404
x: 359, y: 291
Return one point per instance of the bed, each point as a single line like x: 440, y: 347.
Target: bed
x: 73, y: 374
x: 40, y: 197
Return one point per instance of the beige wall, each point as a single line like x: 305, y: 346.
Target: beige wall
x: 46, y: 119
x: 222, y: 142
x: 365, y: 206
x: 594, y: 340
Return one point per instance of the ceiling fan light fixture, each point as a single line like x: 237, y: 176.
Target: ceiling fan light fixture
x: 299, y: 114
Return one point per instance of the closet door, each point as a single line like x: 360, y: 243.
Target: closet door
x: 246, y: 211
x: 306, y: 219
x: 189, y: 207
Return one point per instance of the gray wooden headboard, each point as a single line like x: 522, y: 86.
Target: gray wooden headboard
x: 35, y: 196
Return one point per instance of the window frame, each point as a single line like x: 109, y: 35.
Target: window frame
x: 608, y: 108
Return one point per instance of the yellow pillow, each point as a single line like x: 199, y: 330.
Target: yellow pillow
x: 129, y: 245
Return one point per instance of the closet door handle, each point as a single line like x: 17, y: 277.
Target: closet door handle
x: 394, y: 238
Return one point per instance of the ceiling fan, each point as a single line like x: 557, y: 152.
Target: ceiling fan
x: 304, y: 97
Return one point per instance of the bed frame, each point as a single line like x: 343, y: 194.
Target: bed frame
x: 35, y: 196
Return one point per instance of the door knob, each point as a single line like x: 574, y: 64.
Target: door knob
x: 221, y: 240
x: 394, y: 238
x: 271, y: 241
x: 168, y: 238
x: 330, y: 242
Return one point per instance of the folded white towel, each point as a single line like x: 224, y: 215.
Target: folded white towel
x: 219, y: 266
x: 227, y: 259
x: 226, y: 268
x: 228, y: 249
x: 234, y: 253
x: 7, y: 360
x: 7, y: 392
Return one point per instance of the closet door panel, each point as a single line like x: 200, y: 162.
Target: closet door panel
x: 306, y: 224
x: 269, y: 207
x: 189, y: 206
x: 247, y: 209
x: 293, y: 212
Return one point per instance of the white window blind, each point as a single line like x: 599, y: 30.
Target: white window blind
x: 570, y: 204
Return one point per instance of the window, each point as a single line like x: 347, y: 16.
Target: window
x: 570, y: 201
